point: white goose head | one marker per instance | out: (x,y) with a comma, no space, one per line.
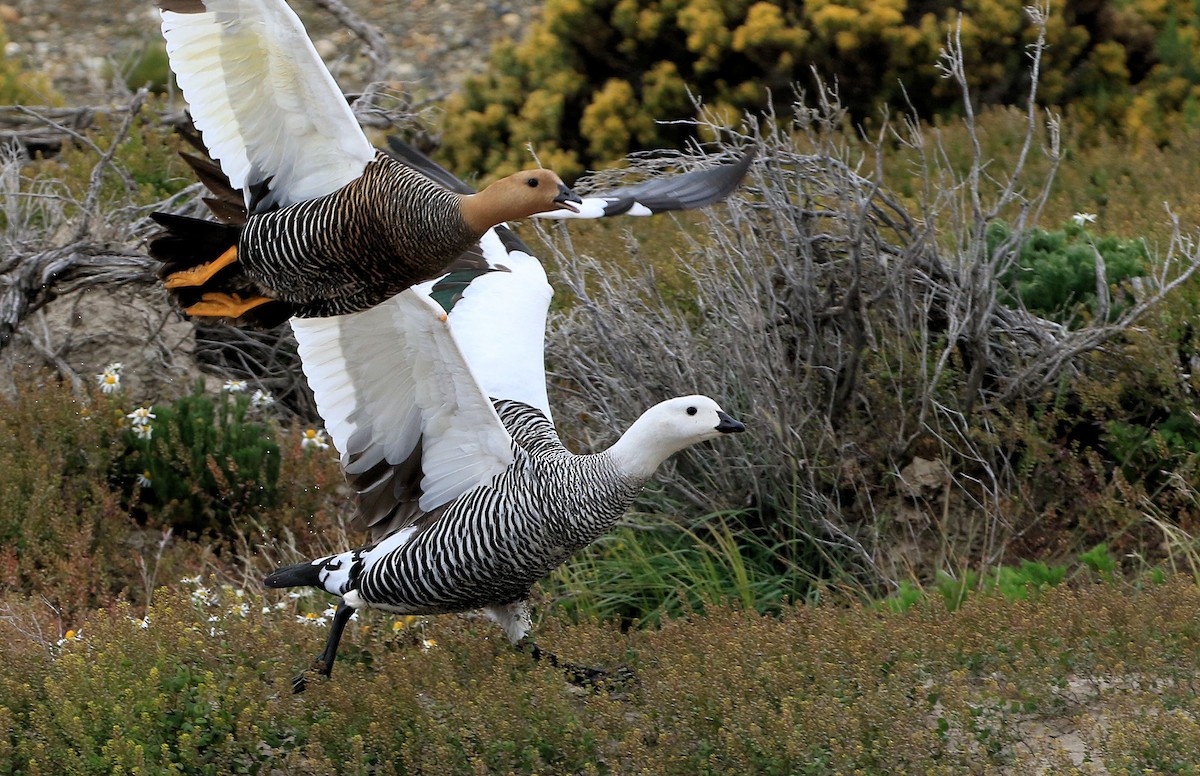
(665,429)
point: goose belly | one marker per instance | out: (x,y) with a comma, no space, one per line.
(489,549)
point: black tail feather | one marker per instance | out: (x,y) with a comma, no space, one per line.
(188,242)
(305,574)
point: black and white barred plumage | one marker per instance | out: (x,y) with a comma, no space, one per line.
(489,546)
(358,246)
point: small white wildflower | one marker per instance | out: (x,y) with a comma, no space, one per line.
(1084,218)
(312,618)
(108,381)
(234,386)
(314,438)
(145,431)
(213,618)
(115,366)
(281,606)
(428,644)
(202,595)
(242,609)
(190,580)
(142,416)
(144,623)
(329,612)
(144,481)
(261,398)
(302,593)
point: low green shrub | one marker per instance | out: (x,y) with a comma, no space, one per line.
(203,686)
(200,463)
(1054,272)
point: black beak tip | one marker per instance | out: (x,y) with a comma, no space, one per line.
(728,425)
(567,198)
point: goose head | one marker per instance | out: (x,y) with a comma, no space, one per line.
(520,195)
(668,427)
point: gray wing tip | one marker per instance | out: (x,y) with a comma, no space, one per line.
(687,191)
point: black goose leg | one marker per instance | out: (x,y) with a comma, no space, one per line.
(324,663)
(583,676)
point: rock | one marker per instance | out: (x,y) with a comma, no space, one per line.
(923,478)
(8,14)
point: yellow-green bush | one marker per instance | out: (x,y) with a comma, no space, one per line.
(592,76)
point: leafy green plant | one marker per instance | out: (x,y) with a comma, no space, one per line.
(200,463)
(1054,273)
(1101,562)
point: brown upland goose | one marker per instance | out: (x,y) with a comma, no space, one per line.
(327,224)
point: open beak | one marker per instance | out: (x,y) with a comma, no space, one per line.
(728,425)
(567,198)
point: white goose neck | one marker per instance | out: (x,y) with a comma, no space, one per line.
(642,449)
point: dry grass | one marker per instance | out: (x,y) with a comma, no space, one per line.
(1075,681)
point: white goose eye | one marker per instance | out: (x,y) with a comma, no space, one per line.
(691,410)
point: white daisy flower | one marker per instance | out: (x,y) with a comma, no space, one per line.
(144,481)
(142,416)
(314,438)
(71,635)
(312,618)
(234,386)
(144,431)
(261,398)
(108,381)
(1084,218)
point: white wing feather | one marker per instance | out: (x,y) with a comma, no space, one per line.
(500,325)
(263,99)
(392,375)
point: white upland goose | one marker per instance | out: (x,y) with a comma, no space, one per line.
(437,401)
(330,225)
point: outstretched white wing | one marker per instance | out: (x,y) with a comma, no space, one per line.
(266,105)
(390,382)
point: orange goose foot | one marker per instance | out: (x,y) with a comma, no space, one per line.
(201,273)
(214,305)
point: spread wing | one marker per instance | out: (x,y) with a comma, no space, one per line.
(402,406)
(267,107)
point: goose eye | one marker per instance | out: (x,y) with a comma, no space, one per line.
(532,183)
(691,410)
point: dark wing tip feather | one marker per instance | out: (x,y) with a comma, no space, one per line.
(182,6)
(694,189)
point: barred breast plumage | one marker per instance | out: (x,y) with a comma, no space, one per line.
(327,225)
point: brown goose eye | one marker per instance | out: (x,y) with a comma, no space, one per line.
(532,183)
(691,410)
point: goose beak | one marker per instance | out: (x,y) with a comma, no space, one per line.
(728,425)
(567,198)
